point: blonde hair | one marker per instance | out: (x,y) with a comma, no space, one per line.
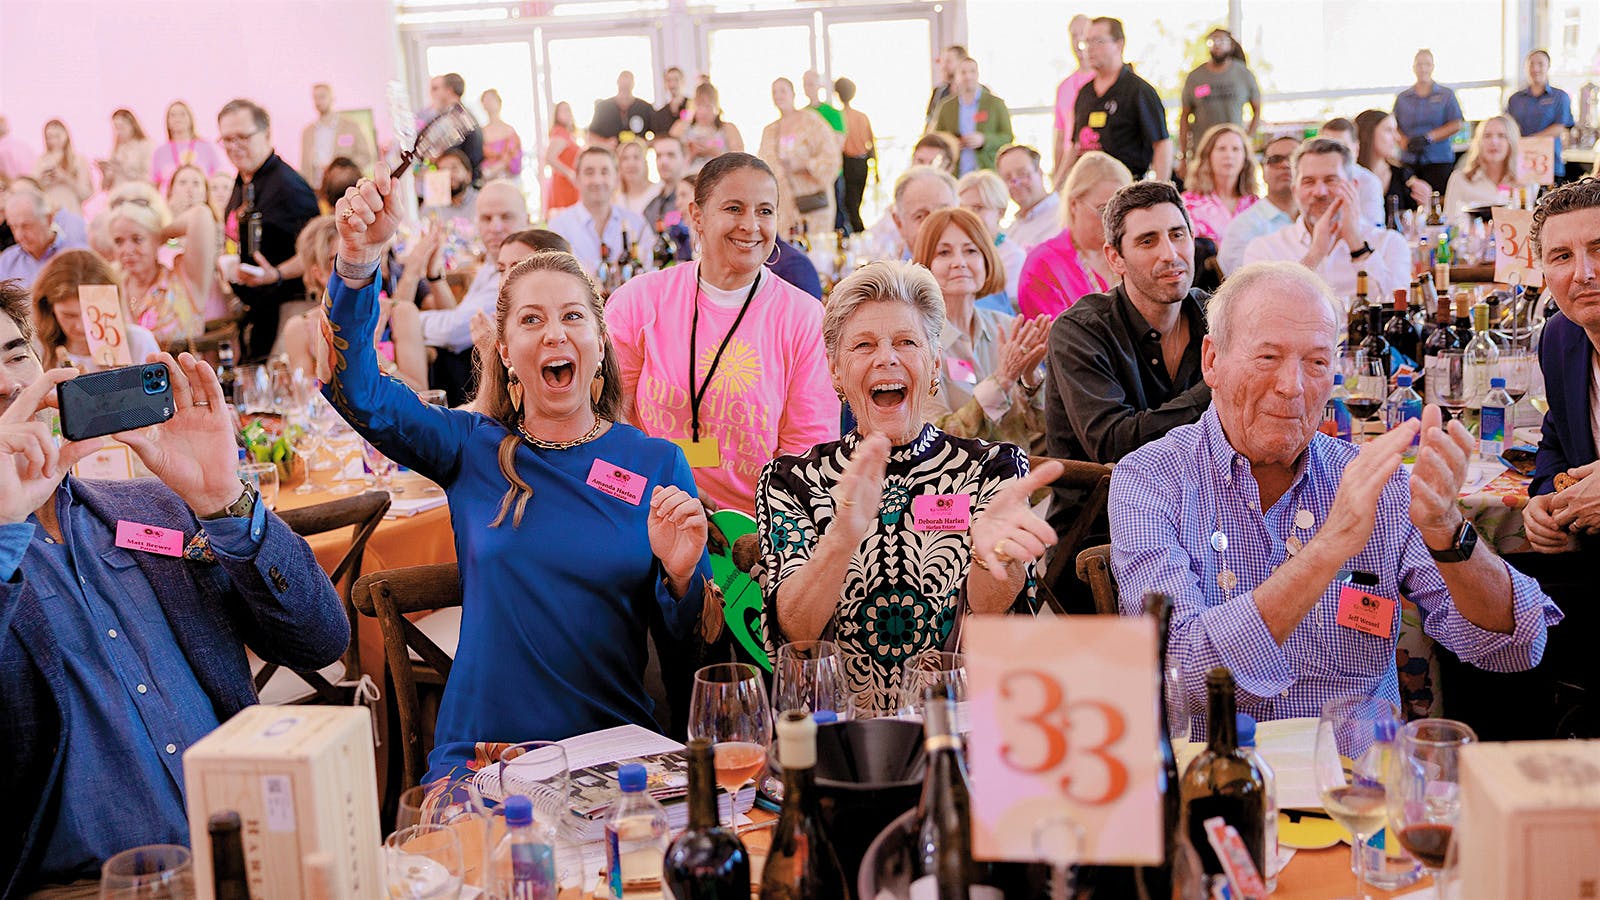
(1091,169)
(1204,181)
(991,188)
(494,396)
(140,203)
(1472,165)
(315,245)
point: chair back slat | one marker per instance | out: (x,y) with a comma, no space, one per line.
(1094,567)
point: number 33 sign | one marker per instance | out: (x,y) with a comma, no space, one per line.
(1063,715)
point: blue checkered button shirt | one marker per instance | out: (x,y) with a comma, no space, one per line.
(1168,499)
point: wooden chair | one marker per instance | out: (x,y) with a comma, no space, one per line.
(364,513)
(1093,482)
(1094,569)
(390,596)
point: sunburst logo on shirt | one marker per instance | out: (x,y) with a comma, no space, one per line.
(738,369)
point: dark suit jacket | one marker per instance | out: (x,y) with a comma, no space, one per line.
(1567,441)
(280,604)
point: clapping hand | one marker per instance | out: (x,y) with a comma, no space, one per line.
(1008,531)
(859,492)
(1351,228)
(1325,233)
(1355,505)
(677,529)
(1577,509)
(1436,479)
(31,465)
(367,217)
(425,257)
(1022,350)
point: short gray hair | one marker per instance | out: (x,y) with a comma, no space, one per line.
(884,281)
(917,173)
(1322,145)
(1277,278)
(990,187)
(41,204)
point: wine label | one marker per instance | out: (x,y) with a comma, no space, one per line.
(1365,612)
(149,538)
(615,481)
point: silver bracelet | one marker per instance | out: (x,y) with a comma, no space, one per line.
(350,272)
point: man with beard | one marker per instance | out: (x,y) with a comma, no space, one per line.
(1124,366)
(1216,92)
(1331,237)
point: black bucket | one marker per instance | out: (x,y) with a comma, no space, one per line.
(868,773)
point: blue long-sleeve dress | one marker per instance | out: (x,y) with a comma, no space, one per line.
(555,611)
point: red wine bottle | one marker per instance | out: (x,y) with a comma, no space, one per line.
(1224,781)
(228,877)
(802,864)
(706,861)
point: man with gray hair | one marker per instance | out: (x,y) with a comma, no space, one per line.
(917,192)
(1332,238)
(1286,551)
(38,237)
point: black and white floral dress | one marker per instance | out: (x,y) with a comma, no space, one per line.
(905,588)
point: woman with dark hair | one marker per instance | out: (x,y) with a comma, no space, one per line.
(703,132)
(801,148)
(572,529)
(184,148)
(722,356)
(131,153)
(1378,151)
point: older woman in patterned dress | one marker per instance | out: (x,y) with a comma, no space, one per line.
(883,540)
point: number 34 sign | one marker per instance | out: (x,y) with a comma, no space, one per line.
(1063,717)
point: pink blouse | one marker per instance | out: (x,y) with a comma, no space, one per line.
(1054,276)
(1210,217)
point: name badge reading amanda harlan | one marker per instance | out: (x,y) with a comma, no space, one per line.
(615,481)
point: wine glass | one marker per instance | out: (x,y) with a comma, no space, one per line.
(1447,381)
(539,771)
(1425,789)
(423,862)
(265,478)
(1368,390)
(382,468)
(809,676)
(155,872)
(458,805)
(307,436)
(1351,762)
(1517,366)
(729,708)
(930,668)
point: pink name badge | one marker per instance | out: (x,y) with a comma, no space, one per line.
(961,370)
(1202,90)
(149,538)
(1365,612)
(941,512)
(617,481)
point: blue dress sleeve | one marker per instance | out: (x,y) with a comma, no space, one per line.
(682,614)
(382,409)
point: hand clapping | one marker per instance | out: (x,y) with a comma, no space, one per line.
(1023,349)
(677,529)
(1008,531)
(859,493)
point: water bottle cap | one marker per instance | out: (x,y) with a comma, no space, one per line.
(1384,730)
(1403,380)
(825,717)
(519,811)
(1247,729)
(632,778)
(1338,378)
(1497,382)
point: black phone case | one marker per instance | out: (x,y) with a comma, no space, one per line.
(107,402)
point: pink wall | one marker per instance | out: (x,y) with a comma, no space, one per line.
(78,60)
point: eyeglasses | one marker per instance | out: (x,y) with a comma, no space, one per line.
(1086,43)
(1276,159)
(237,140)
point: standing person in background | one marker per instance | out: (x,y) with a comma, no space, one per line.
(183,148)
(979,119)
(804,154)
(1542,110)
(1428,116)
(16,157)
(131,152)
(1222,181)
(61,170)
(286,203)
(502,146)
(1378,151)
(1066,98)
(1216,93)
(669,166)
(859,150)
(619,116)
(1118,111)
(946,87)
(446,91)
(561,155)
(669,112)
(703,132)
(813,84)
(1038,210)
(329,137)
(1368,188)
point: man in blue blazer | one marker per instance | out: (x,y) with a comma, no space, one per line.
(125,608)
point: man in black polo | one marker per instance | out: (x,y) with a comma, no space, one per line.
(271,187)
(668,113)
(1124,366)
(444,92)
(623,113)
(1117,111)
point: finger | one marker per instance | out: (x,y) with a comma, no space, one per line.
(74,452)
(371,201)
(27,446)
(182,394)
(261,260)
(1036,479)
(1023,545)
(1432,417)
(1040,529)
(30,399)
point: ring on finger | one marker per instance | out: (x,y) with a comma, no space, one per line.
(1000,553)
(847,503)
(202,403)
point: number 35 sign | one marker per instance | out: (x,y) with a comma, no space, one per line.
(1063,717)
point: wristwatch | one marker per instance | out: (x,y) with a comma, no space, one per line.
(1366,248)
(1461,550)
(240,508)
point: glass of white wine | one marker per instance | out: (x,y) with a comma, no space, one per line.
(1355,740)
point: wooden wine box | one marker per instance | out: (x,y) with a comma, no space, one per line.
(1530,820)
(301,779)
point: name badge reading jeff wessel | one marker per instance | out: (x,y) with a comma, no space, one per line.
(941,512)
(1365,612)
(615,481)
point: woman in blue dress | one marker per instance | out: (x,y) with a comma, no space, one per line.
(569,525)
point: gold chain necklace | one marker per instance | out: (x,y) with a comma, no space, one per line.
(561,445)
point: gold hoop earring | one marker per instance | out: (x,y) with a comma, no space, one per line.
(514,388)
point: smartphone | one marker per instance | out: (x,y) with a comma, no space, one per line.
(103,403)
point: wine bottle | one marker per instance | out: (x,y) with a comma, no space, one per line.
(1400,333)
(1222,780)
(1357,331)
(1374,344)
(801,864)
(706,861)
(944,867)
(1159,880)
(228,878)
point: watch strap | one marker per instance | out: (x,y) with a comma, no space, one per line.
(1366,249)
(239,508)
(1461,550)
(353,271)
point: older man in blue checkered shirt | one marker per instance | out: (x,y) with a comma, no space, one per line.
(1287,551)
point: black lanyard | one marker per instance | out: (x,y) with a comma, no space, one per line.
(694,327)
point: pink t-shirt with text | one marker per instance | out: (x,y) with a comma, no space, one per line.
(771,392)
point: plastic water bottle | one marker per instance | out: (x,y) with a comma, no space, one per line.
(636,834)
(1247,744)
(523,866)
(1492,420)
(1336,415)
(1404,403)
(1389,867)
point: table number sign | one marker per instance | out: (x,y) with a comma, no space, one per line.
(105,325)
(1513,251)
(1536,160)
(1063,718)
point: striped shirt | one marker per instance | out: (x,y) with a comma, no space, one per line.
(1171,497)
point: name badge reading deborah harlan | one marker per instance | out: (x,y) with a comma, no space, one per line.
(149,538)
(1365,612)
(616,481)
(941,512)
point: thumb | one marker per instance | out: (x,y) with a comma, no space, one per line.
(1040,477)
(262,260)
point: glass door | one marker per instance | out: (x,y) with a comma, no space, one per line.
(505,66)
(888,59)
(744,61)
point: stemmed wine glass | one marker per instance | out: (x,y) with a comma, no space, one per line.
(809,676)
(154,872)
(930,668)
(423,862)
(729,708)
(307,436)
(1425,789)
(1354,742)
(1368,390)
(1447,382)
(458,805)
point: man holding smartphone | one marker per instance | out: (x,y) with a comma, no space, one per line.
(125,608)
